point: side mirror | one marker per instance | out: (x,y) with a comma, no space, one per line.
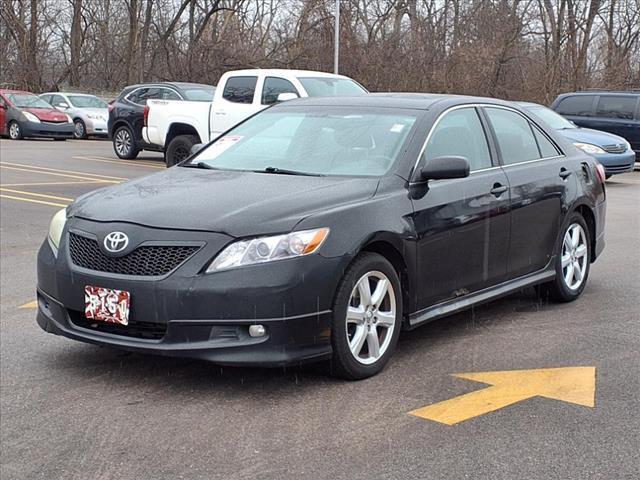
(283,97)
(448,166)
(196,148)
(64,105)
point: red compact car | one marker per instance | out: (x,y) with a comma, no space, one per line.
(23,114)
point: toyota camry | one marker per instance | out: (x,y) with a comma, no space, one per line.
(319,229)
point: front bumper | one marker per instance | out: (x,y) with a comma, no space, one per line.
(207,316)
(47,130)
(615,163)
(96,127)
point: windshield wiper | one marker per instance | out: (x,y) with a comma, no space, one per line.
(200,165)
(284,171)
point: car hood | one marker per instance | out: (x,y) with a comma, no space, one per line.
(47,114)
(236,203)
(594,137)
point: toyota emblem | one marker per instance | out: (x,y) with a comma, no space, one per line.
(116,242)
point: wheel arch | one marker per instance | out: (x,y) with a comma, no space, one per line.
(176,129)
(590,219)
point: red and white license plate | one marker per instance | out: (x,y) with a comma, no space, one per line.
(107,305)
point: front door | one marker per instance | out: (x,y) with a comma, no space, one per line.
(238,102)
(3,116)
(462,224)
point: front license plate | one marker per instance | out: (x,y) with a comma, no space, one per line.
(107,305)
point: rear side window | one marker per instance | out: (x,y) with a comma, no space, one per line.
(138,96)
(460,133)
(168,94)
(578,105)
(515,136)
(240,89)
(616,107)
(547,149)
(274,86)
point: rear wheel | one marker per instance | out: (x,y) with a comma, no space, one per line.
(15,132)
(179,149)
(572,262)
(367,317)
(124,144)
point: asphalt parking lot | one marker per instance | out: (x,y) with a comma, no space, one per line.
(70,410)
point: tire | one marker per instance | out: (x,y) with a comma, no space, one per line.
(124,143)
(15,132)
(354,318)
(607,176)
(560,288)
(179,149)
(80,129)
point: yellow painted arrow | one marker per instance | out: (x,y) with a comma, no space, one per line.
(571,384)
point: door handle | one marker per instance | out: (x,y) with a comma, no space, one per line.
(498,189)
(564,173)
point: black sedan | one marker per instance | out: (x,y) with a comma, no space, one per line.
(320,228)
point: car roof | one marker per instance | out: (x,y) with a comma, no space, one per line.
(15,91)
(419,101)
(530,104)
(602,92)
(69,93)
(286,72)
(171,84)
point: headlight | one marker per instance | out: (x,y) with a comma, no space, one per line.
(69,119)
(267,249)
(587,147)
(31,117)
(56,227)
(628,145)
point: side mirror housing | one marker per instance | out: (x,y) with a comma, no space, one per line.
(448,166)
(64,105)
(283,97)
(196,148)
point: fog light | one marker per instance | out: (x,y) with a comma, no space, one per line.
(257,331)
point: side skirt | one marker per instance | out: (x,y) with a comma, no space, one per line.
(482,296)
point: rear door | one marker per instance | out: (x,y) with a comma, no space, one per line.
(238,101)
(578,108)
(540,179)
(616,114)
(462,224)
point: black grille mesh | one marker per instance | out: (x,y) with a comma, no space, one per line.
(145,260)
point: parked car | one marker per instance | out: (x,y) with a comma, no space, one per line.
(89,113)
(319,228)
(613,112)
(24,114)
(239,95)
(612,151)
(126,112)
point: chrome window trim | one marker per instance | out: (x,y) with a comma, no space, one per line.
(482,105)
(147,87)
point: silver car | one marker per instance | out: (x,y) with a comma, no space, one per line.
(89,113)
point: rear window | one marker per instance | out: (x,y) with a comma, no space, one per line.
(240,89)
(199,94)
(578,105)
(616,107)
(330,86)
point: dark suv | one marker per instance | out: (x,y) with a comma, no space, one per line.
(126,113)
(613,112)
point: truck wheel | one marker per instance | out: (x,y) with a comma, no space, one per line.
(124,144)
(179,149)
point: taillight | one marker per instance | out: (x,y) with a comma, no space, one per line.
(602,176)
(146,114)
(111,106)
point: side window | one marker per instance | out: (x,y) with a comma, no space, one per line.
(168,94)
(514,134)
(137,95)
(240,89)
(578,105)
(460,133)
(2,102)
(46,98)
(151,93)
(547,149)
(274,86)
(616,107)
(56,100)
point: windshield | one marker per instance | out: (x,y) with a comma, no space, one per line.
(555,121)
(317,141)
(86,101)
(199,94)
(27,100)
(330,87)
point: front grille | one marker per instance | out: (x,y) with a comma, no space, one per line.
(144,330)
(621,148)
(145,261)
(54,122)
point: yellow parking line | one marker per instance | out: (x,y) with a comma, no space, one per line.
(120,162)
(37,167)
(34,201)
(29,305)
(42,172)
(32,194)
(39,184)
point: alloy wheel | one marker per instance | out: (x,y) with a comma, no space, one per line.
(371,317)
(14,131)
(79,130)
(123,142)
(574,256)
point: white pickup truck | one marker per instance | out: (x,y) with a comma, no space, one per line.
(176,126)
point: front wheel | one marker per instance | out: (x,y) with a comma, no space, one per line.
(15,132)
(179,149)
(79,129)
(124,144)
(367,317)
(572,262)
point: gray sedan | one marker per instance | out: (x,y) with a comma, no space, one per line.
(89,113)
